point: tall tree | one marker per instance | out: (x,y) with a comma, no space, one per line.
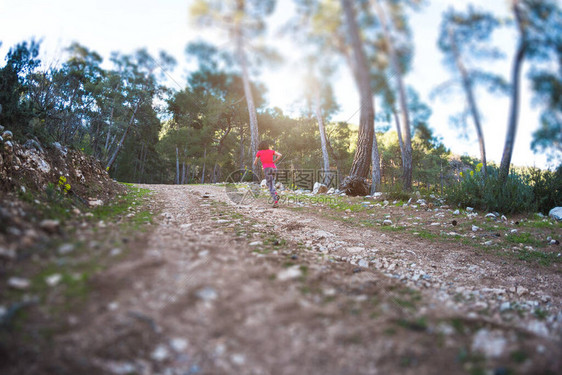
(462,36)
(404,133)
(538,25)
(243,20)
(366,142)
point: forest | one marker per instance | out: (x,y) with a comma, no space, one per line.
(145,130)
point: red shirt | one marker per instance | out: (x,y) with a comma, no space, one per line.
(266,157)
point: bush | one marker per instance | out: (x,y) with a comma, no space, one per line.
(547,188)
(513,196)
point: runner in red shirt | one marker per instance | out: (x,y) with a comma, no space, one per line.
(268,161)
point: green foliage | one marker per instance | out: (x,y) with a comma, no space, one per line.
(547,188)
(515,195)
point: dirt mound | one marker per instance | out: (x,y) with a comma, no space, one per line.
(32,189)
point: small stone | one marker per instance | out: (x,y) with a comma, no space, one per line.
(554,242)
(178,344)
(207,294)
(160,353)
(50,226)
(469,209)
(488,243)
(112,306)
(387,222)
(505,306)
(538,328)
(7,253)
(66,249)
(255,243)
(456,212)
(54,279)
(521,290)
(491,344)
(7,135)
(363,263)
(355,249)
(290,273)
(115,252)
(475,228)
(513,231)
(238,359)
(19,283)
(490,215)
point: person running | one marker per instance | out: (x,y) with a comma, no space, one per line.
(268,164)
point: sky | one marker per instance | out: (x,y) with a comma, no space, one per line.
(118,25)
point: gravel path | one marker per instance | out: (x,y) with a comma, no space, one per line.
(226,289)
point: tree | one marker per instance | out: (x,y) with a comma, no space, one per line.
(242,19)
(366,143)
(404,134)
(537,23)
(462,36)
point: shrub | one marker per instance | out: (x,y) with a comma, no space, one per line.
(547,188)
(515,195)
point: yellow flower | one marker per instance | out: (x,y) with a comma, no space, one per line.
(479,167)
(67,187)
(461,174)
(472,173)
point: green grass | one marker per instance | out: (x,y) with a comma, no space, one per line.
(525,238)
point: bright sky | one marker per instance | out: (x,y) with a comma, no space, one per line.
(106,26)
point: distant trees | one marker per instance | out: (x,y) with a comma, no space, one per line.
(465,37)
(539,40)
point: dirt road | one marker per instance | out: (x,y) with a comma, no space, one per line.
(218,288)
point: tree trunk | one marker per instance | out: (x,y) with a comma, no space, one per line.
(247,90)
(407,146)
(204,165)
(177,167)
(366,143)
(399,133)
(321,128)
(241,146)
(120,144)
(467,85)
(514,110)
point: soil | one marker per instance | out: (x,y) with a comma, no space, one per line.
(219,288)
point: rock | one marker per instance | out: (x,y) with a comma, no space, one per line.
(95,202)
(387,222)
(556,213)
(319,188)
(7,135)
(488,243)
(290,273)
(331,191)
(207,294)
(279,186)
(554,242)
(8,146)
(263,183)
(19,283)
(160,353)
(114,252)
(54,279)
(539,328)
(491,344)
(505,306)
(50,226)
(238,359)
(504,218)
(255,243)
(178,344)
(32,144)
(62,150)
(456,212)
(363,263)
(490,215)
(66,249)
(475,228)
(7,253)
(355,249)
(521,290)
(469,209)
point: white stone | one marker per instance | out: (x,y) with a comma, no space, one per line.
(19,283)
(207,294)
(387,222)
(355,249)
(456,212)
(521,290)
(469,209)
(290,273)
(160,353)
(538,328)
(255,243)
(66,249)
(556,213)
(263,183)
(178,344)
(363,263)
(54,279)
(7,253)
(239,359)
(475,228)
(491,344)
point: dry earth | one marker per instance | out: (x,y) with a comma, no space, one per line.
(218,288)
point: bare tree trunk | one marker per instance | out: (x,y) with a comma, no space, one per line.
(254,135)
(204,165)
(177,167)
(183,173)
(241,146)
(514,110)
(407,147)
(467,85)
(321,128)
(366,143)
(120,144)
(399,132)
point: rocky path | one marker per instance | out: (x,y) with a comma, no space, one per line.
(226,289)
